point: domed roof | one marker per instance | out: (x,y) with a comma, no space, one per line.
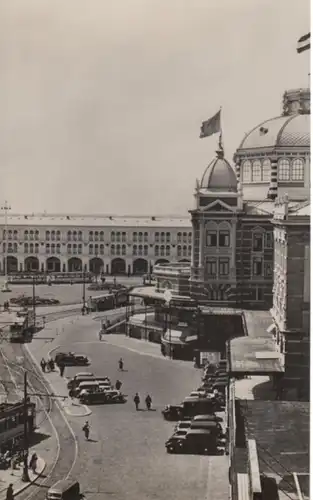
(282,131)
(219,175)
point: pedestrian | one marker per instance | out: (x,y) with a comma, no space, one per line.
(137,401)
(148,401)
(62,369)
(33,462)
(118,385)
(10,492)
(43,365)
(121,364)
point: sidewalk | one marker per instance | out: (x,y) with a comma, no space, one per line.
(254,387)
(15,477)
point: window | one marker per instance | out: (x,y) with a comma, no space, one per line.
(162,251)
(269,239)
(53,235)
(96,236)
(113,236)
(9,234)
(178,237)
(15,247)
(52,247)
(185,237)
(223,267)
(75,248)
(135,237)
(91,236)
(297,170)
(283,170)
(80,248)
(15,235)
(123,237)
(36,235)
(102,235)
(118,236)
(168,250)
(257,242)
(145,237)
(211,238)
(179,249)
(36,247)
(25,235)
(75,235)
(246,171)
(256,171)
(118,249)
(96,249)
(47,247)
(257,294)
(123,249)
(10,248)
(145,250)
(189,250)
(58,235)
(135,250)
(185,251)
(90,249)
(156,250)
(31,247)
(190,238)
(223,238)
(58,248)
(69,235)
(168,237)
(257,266)
(101,249)
(211,268)
(69,248)
(268,269)
(140,237)
(162,237)
(80,236)
(25,247)
(266,170)
(31,234)
(157,237)
(112,249)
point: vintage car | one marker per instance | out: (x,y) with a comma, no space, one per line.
(214,427)
(197,442)
(182,424)
(71,359)
(101,397)
(88,386)
(80,377)
(207,418)
(173,412)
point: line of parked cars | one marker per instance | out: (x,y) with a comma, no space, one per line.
(199,429)
(91,389)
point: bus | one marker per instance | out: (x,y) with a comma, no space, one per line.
(118,298)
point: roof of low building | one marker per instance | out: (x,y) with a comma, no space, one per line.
(101,221)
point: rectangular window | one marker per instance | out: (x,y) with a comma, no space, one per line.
(269,239)
(268,269)
(257,294)
(157,237)
(211,268)
(211,238)
(257,243)
(257,266)
(224,267)
(223,239)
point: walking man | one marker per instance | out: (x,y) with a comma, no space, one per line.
(10,492)
(137,401)
(62,369)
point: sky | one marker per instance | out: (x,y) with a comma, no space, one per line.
(101,102)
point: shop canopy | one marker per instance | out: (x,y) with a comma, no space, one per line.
(254,356)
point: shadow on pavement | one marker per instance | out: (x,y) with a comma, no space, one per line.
(92,440)
(264,391)
(38,437)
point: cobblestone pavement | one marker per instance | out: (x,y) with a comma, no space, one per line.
(126,456)
(54,441)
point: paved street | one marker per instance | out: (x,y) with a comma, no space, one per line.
(126,458)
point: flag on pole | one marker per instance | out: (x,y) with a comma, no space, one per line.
(304,43)
(211,126)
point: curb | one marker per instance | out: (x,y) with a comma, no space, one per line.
(34,478)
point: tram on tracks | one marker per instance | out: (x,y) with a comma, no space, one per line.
(12,418)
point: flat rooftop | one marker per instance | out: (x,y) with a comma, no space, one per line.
(111,221)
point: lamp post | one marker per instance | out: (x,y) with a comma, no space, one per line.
(25,476)
(84,293)
(5,209)
(34,302)
(168,298)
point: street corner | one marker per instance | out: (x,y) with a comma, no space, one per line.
(14,477)
(75,410)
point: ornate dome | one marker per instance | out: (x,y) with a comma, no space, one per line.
(219,175)
(292,129)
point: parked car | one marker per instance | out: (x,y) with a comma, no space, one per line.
(209,418)
(196,441)
(214,427)
(182,424)
(90,386)
(80,377)
(173,412)
(101,397)
(198,394)
(71,359)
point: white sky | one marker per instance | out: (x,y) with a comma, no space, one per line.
(101,101)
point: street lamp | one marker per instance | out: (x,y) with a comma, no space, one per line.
(5,208)
(84,293)
(34,302)
(168,298)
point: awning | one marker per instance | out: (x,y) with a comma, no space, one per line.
(271,328)
(178,337)
(254,356)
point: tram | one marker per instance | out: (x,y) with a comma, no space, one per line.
(108,301)
(12,418)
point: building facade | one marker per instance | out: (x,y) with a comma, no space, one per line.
(291,291)
(113,245)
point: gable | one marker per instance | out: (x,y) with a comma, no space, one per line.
(220,206)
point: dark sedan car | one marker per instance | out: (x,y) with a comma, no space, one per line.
(71,359)
(197,442)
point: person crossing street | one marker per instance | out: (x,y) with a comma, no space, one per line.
(137,401)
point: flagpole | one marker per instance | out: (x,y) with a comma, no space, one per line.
(221,132)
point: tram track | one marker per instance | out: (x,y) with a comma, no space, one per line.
(66,452)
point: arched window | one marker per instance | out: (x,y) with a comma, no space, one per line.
(58,235)
(101,235)
(118,249)
(224,235)
(145,237)
(246,171)
(118,236)
(36,235)
(90,249)
(184,251)
(101,249)
(31,247)
(47,247)
(185,237)
(58,248)
(145,250)
(91,236)
(15,247)
(69,248)
(75,235)
(189,250)
(162,237)
(211,234)
(52,247)
(156,250)
(69,235)
(189,237)
(123,249)
(123,237)
(157,237)
(168,250)
(256,171)
(162,250)
(140,250)
(112,249)
(283,169)
(80,248)
(48,235)
(31,234)
(178,237)
(9,234)
(80,235)
(135,237)
(113,236)
(25,247)
(266,170)
(53,235)
(96,236)
(96,249)
(36,247)
(297,170)
(26,235)
(168,237)
(135,250)
(15,235)
(140,237)
(179,251)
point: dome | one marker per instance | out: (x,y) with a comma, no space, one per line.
(219,175)
(282,131)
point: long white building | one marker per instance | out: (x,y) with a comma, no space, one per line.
(112,244)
